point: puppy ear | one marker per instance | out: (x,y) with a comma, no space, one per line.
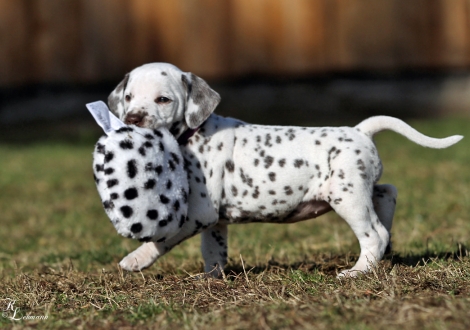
(116,98)
(201,100)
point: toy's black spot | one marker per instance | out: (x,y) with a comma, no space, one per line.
(131,193)
(152,214)
(169,184)
(114,196)
(100,148)
(149,184)
(99,168)
(149,136)
(127,211)
(159,169)
(145,239)
(160,145)
(112,183)
(147,144)
(126,144)
(142,151)
(164,199)
(124,129)
(132,168)
(162,223)
(163,239)
(158,133)
(171,165)
(108,157)
(108,204)
(175,157)
(176,206)
(109,171)
(182,221)
(136,228)
(282,162)
(149,167)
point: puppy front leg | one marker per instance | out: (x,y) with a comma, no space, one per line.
(143,257)
(214,249)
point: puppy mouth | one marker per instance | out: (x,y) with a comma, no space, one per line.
(141,119)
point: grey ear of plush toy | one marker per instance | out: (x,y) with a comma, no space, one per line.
(140,177)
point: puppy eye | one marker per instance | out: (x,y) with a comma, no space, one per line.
(162,99)
(128,97)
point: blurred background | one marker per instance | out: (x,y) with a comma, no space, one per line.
(303,62)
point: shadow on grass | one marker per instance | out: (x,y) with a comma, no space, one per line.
(333,264)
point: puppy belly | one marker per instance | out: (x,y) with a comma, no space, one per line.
(281,214)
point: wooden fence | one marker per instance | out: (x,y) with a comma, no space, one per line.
(95,40)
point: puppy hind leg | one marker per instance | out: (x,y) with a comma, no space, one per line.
(214,249)
(385,199)
(372,235)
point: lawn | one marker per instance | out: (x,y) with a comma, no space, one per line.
(59,253)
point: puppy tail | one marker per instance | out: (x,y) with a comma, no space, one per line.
(373,125)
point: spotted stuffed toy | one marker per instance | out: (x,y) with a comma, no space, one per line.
(140,177)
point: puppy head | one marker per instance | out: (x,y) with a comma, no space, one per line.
(159,94)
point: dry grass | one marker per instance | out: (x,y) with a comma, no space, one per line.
(59,254)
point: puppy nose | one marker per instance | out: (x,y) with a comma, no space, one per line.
(134,119)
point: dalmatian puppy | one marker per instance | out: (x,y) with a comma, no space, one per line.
(241,173)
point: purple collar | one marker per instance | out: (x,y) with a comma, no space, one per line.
(184,138)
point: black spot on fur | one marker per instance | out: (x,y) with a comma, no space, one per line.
(272,176)
(229,165)
(234,191)
(149,136)
(158,133)
(142,151)
(282,162)
(298,163)
(159,169)
(171,165)
(288,190)
(114,196)
(131,193)
(268,161)
(109,171)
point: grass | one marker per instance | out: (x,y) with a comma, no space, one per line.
(59,253)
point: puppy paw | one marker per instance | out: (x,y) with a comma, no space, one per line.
(140,259)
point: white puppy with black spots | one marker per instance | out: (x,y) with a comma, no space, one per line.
(241,173)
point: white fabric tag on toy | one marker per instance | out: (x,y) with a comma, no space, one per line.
(106,119)
(140,177)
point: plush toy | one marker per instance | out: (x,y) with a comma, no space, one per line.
(140,177)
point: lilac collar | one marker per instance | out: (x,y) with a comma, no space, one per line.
(184,138)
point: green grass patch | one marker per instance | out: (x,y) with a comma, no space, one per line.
(59,253)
